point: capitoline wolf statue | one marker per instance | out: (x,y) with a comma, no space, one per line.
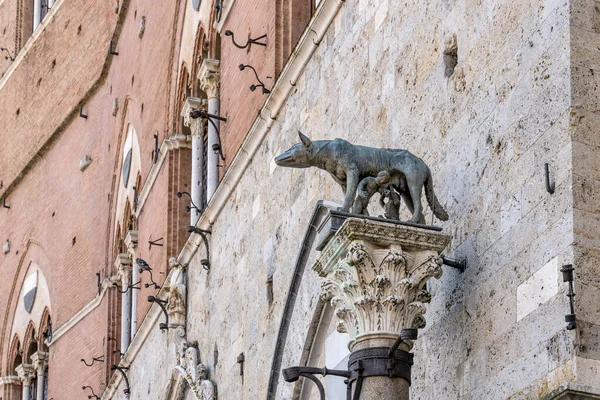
(393,172)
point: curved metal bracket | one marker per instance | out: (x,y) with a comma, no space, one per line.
(205,262)
(128,287)
(161,303)
(93,395)
(122,370)
(292,374)
(249,42)
(94,360)
(261,83)
(193,207)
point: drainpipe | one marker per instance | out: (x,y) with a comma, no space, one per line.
(197,128)
(209,76)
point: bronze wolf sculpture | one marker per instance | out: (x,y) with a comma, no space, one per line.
(348,164)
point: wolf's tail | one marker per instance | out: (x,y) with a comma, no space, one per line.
(434,203)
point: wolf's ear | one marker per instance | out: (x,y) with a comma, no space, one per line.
(304,139)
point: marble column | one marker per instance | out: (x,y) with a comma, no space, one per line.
(375,276)
(26,374)
(123,266)
(37,13)
(196,126)
(209,76)
(131,241)
(39,361)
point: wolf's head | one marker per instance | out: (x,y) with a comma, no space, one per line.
(298,156)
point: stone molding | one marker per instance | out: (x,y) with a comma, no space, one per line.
(375,275)
(124,268)
(209,76)
(26,373)
(10,380)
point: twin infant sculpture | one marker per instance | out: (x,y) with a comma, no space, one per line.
(362,171)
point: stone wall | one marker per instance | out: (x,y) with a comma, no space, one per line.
(482,91)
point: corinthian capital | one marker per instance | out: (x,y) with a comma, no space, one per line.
(209,77)
(191,104)
(26,373)
(375,274)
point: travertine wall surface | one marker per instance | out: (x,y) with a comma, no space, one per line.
(383,77)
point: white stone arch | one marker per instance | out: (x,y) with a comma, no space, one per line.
(126,191)
(34,277)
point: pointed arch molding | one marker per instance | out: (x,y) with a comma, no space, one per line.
(36,257)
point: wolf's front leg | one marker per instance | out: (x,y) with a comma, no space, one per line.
(351,185)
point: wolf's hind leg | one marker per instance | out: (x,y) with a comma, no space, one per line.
(415,188)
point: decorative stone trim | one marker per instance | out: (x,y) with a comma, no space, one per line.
(39,361)
(131,240)
(26,373)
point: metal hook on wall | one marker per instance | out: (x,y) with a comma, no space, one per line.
(93,395)
(122,370)
(550,187)
(161,303)
(94,360)
(143,266)
(133,286)
(202,232)
(249,42)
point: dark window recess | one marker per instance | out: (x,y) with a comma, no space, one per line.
(204,177)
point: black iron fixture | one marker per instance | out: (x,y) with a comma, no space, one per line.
(216,148)
(117,345)
(99,283)
(8,55)
(143,267)
(375,361)
(111,50)
(158,242)
(219,8)
(132,287)
(294,373)
(202,232)
(122,370)
(4,205)
(94,360)
(156,149)
(48,333)
(249,42)
(188,208)
(93,395)
(161,303)
(136,199)
(550,187)
(240,360)
(567,271)
(81,114)
(260,83)
(459,265)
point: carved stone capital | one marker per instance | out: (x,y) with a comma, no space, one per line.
(190,104)
(178,141)
(209,77)
(375,274)
(39,361)
(26,373)
(131,240)
(123,266)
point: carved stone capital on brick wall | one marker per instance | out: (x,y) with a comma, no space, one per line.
(26,373)
(123,265)
(39,360)
(375,275)
(190,104)
(177,294)
(131,240)
(209,77)
(178,141)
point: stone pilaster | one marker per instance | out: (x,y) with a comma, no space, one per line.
(375,274)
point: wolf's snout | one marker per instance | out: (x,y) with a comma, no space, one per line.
(282,158)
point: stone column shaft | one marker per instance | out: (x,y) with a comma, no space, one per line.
(37,13)
(209,76)
(40,361)
(131,241)
(123,264)
(197,128)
